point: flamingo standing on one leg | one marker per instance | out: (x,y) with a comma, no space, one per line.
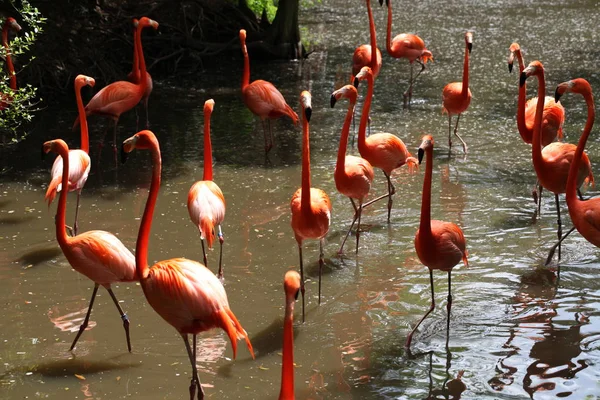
(9,23)
(383,150)
(552,120)
(311,208)
(552,163)
(353,175)
(363,56)
(99,255)
(206,204)
(262,98)
(134,75)
(291,285)
(456,96)
(439,244)
(183,292)
(122,96)
(79,159)
(585,214)
(409,46)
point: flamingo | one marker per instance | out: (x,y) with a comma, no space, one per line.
(584,214)
(99,255)
(363,57)
(552,163)
(353,175)
(383,150)
(291,285)
(553,117)
(439,244)
(409,46)
(311,208)
(206,204)
(262,98)
(456,96)
(9,23)
(122,96)
(79,159)
(134,75)
(183,292)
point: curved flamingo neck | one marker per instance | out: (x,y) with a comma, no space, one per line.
(246,74)
(305,200)
(388,39)
(341,157)
(9,64)
(536,144)
(373,38)
(83,126)
(465,78)
(526,134)
(364,118)
(61,209)
(208,170)
(135,71)
(425,224)
(287,367)
(571,194)
(141,248)
(142,84)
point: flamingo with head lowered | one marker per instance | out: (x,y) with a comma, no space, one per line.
(9,24)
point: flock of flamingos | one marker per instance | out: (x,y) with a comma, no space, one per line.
(192,298)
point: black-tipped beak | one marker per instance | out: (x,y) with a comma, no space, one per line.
(308,113)
(124,154)
(470,47)
(356,82)
(557,95)
(297,293)
(510,67)
(522,78)
(420,154)
(333,100)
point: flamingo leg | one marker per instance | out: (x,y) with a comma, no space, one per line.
(458,136)
(536,193)
(270,134)
(137,118)
(558,221)
(341,250)
(553,248)
(87,317)
(75,225)
(221,240)
(146,108)
(195,382)
(409,338)
(321,262)
(204,253)
(449,305)
(408,94)
(114,145)
(419,73)
(124,317)
(302,289)
(391,191)
(450,131)
(358,226)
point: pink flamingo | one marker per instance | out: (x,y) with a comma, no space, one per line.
(99,255)
(456,96)
(311,208)
(291,285)
(383,150)
(134,75)
(440,245)
(183,292)
(262,98)
(552,163)
(409,46)
(363,57)
(353,175)
(206,204)
(79,159)
(9,23)
(122,96)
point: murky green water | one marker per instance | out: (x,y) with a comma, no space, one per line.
(517,330)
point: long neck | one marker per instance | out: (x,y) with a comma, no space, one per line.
(388,38)
(341,157)
(135,71)
(9,64)
(61,210)
(465,78)
(536,143)
(525,133)
(142,77)
(364,118)
(208,170)
(85,140)
(571,194)
(425,226)
(305,201)
(373,37)
(141,248)
(246,74)
(287,367)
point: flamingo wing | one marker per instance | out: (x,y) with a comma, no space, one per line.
(264,100)
(206,206)
(114,99)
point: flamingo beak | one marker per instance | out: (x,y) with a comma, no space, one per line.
(470,47)
(510,67)
(333,100)
(420,154)
(308,113)
(356,82)
(522,78)
(297,293)
(557,95)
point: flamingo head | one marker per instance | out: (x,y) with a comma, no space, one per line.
(514,48)
(348,92)
(208,106)
(56,146)
(426,144)
(534,68)
(578,85)
(243,35)
(142,140)
(364,73)
(145,22)
(83,80)
(291,285)
(305,102)
(12,23)
(469,41)
(135,22)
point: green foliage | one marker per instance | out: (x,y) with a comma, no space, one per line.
(19,105)
(259,5)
